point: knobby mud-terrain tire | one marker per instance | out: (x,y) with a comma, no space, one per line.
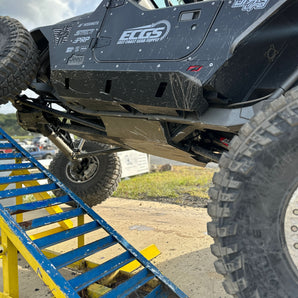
(254,207)
(18,58)
(104,176)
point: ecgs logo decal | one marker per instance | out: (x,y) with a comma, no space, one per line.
(249,5)
(150,33)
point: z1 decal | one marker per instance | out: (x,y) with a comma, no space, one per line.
(61,35)
(150,33)
(249,5)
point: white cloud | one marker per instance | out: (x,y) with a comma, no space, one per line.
(36,13)
(82,6)
(7,109)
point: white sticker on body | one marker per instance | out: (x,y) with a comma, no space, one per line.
(249,5)
(150,33)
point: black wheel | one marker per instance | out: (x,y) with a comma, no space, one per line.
(93,179)
(18,59)
(254,206)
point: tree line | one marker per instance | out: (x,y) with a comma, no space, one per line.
(9,123)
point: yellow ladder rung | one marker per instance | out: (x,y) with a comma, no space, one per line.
(46,233)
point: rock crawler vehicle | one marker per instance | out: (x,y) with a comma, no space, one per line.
(198,82)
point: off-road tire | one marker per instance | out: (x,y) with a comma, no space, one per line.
(252,190)
(101,186)
(18,59)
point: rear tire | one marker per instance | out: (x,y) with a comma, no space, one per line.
(254,207)
(95,181)
(18,59)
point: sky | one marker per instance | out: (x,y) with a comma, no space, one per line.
(36,13)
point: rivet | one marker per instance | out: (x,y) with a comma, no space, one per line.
(193,27)
(211,64)
(158,65)
(117,66)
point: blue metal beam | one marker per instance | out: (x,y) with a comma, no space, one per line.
(66,235)
(131,285)
(6,146)
(26,190)
(50,219)
(158,292)
(84,280)
(21,178)
(17,166)
(10,155)
(83,252)
(16,209)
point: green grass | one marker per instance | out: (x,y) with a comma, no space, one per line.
(181,181)
(23,137)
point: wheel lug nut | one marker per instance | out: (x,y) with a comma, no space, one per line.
(294,228)
(295,211)
(296,245)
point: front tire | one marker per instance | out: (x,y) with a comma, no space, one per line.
(254,206)
(18,59)
(94,179)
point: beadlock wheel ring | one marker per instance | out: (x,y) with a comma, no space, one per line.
(291,228)
(89,169)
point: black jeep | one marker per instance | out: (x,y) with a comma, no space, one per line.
(198,82)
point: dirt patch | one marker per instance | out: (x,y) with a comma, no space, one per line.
(183,201)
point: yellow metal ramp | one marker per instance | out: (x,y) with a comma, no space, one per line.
(20,232)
